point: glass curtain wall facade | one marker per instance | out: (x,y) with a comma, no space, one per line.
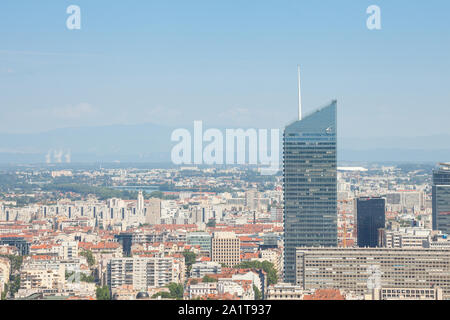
(441,198)
(370,216)
(310,184)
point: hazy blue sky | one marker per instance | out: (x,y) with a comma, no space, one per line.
(228,63)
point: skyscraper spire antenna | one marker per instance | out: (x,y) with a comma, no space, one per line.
(299,95)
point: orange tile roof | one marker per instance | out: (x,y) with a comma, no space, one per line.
(325,294)
(202,259)
(42,257)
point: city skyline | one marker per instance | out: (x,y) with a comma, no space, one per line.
(309,183)
(245,152)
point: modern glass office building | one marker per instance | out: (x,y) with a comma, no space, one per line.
(202,239)
(310,179)
(370,217)
(441,198)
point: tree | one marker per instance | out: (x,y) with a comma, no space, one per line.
(89,257)
(102,293)
(164,295)
(162,196)
(69,274)
(84,278)
(211,223)
(176,290)
(258,295)
(14,278)
(14,284)
(156,194)
(272,277)
(207,278)
(189,258)
(16,261)
(4,292)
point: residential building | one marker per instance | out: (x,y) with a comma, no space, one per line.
(285,291)
(407,294)
(200,269)
(140,273)
(359,270)
(413,237)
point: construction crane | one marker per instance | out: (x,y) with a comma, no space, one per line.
(344,241)
(344,233)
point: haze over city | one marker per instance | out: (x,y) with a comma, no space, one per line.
(226,63)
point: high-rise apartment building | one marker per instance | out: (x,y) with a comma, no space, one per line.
(441,198)
(152,211)
(140,273)
(42,275)
(5,269)
(276,213)
(226,248)
(370,217)
(22,244)
(252,200)
(310,184)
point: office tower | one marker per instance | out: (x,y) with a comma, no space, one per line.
(22,244)
(202,239)
(361,270)
(226,248)
(126,240)
(412,200)
(270,241)
(252,201)
(310,186)
(441,198)
(370,216)
(201,214)
(153,211)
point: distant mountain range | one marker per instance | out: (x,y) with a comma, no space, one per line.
(151,143)
(136,143)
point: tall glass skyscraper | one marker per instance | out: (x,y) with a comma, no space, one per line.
(310,184)
(441,198)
